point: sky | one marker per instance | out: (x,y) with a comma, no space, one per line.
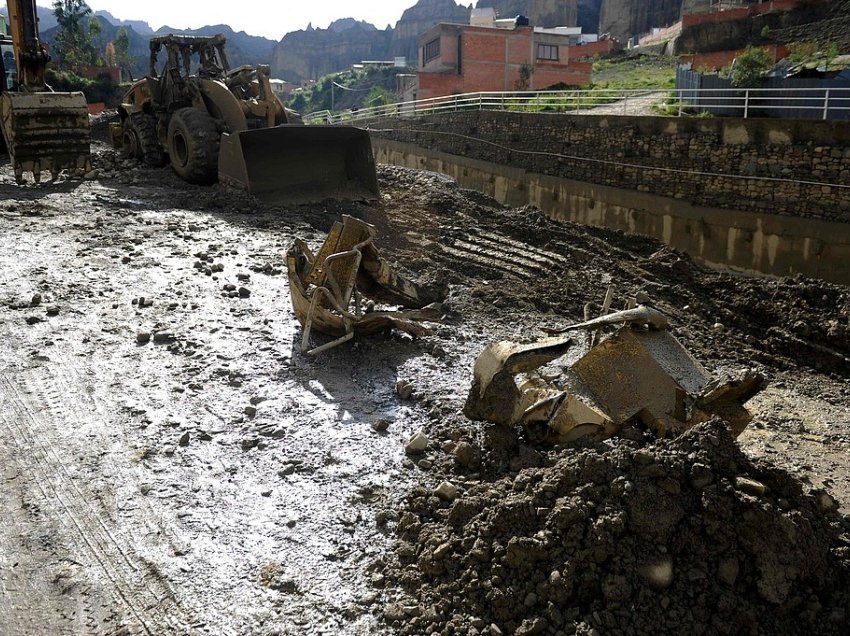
(257,17)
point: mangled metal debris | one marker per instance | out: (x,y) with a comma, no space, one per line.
(328,288)
(641,374)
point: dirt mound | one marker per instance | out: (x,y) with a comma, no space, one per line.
(677,536)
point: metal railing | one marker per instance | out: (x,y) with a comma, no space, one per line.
(805,103)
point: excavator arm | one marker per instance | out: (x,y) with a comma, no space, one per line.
(31,55)
(44,131)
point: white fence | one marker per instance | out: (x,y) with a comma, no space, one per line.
(814,103)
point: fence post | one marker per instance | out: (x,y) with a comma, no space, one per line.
(746,103)
(625,104)
(826,105)
(681,96)
(480,101)
(578,101)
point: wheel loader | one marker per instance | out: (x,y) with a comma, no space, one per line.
(43,131)
(213,122)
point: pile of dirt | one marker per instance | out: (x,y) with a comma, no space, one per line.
(677,536)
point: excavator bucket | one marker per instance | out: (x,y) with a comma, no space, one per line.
(294,164)
(46,132)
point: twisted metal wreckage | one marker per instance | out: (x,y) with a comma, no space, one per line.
(639,374)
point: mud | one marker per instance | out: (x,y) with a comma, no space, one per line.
(172,464)
(677,536)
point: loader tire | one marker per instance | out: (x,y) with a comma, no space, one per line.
(140,140)
(193,145)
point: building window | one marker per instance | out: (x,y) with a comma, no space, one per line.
(432,50)
(547,52)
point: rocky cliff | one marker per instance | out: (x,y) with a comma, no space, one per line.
(588,15)
(312,53)
(695,6)
(421,17)
(623,18)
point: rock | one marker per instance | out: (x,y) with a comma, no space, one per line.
(287,470)
(163,337)
(464,454)
(249,442)
(33,320)
(404,389)
(446,491)
(659,573)
(53,310)
(250,411)
(143,337)
(417,444)
(380,425)
(750,486)
(91,174)
(184,439)
(243,277)
(825,501)
(727,571)
(425,464)
(125,260)
(701,476)
(244,292)
(36,300)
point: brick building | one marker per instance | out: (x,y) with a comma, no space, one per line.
(460,58)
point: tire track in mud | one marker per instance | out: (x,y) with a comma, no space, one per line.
(33,411)
(501,253)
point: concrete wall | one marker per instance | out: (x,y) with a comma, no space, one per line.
(741,240)
(759,165)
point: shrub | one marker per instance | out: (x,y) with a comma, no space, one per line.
(749,67)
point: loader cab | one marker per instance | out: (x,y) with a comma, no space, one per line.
(8,68)
(186,59)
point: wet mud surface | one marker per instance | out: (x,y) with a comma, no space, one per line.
(171,462)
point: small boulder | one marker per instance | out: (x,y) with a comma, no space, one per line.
(417,444)
(446,491)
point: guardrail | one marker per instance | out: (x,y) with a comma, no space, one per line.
(805,103)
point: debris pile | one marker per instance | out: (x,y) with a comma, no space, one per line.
(677,536)
(324,286)
(642,373)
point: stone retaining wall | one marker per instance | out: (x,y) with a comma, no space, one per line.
(784,167)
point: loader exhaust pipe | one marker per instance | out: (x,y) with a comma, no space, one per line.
(294,164)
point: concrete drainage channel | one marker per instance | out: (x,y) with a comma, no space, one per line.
(177,465)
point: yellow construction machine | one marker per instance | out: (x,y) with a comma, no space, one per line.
(211,121)
(43,131)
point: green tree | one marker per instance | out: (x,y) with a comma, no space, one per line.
(524,81)
(122,51)
(73,44)
(91,50)
(750,67)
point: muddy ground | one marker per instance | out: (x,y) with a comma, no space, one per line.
(171,463)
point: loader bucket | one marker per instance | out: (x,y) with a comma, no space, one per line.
(300,164)
(46,132)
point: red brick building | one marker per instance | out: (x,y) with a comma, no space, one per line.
(459,58)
